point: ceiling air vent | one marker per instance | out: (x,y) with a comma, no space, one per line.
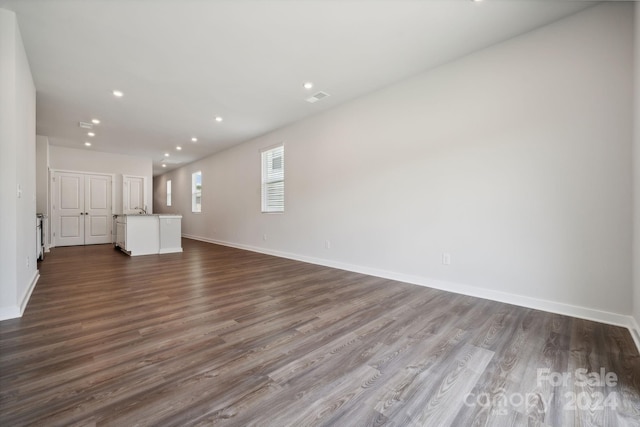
(85,125)
(317,97)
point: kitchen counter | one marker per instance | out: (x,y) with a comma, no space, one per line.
(164,215)
(147,234)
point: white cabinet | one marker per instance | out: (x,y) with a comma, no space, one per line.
(170,233)
(121,234)
(148,234)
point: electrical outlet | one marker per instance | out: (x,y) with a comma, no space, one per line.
(446,258)
(264,237)
(327,244)
(27,261)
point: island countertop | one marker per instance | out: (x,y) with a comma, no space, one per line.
(151,214)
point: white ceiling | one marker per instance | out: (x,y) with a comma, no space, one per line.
(180,63)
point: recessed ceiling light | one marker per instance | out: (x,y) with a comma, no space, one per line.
(95,121)
(308,85)
(218,119)
(88,144)
(91,134)
(194,139)
(166,154)
(164,166)
(178,148)
(118,93)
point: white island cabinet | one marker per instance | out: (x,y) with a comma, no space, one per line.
(148,234)
(170,233)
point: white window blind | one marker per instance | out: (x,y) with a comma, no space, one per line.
(196,192)
(273,179)
(169,193)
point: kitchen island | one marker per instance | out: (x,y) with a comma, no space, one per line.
(147,234)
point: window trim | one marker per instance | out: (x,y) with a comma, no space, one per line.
(263,179)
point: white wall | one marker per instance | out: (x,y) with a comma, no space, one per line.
(42,174)
(515,160)
(83,160)
(636,179)
(18,266)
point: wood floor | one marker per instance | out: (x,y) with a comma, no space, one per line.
(219,336)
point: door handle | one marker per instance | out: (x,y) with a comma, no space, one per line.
(86,213)
(81,213)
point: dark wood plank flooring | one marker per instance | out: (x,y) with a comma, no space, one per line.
(220,336)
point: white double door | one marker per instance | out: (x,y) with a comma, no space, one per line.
(81,208)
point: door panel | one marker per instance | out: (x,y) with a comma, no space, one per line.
(133,194)
(97,204)
(70,227)
(96,194)
(68,209)
(70,191)
(98,226)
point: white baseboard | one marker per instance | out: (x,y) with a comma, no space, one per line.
(27,293)
(11,312)
(458,288)
(634,329)
(16,311)
(169,250)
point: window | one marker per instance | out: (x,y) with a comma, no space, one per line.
(273,179)
(196,192)
(169,193)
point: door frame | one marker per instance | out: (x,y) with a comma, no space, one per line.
(52,173)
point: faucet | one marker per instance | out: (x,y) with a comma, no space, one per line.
(143,211)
